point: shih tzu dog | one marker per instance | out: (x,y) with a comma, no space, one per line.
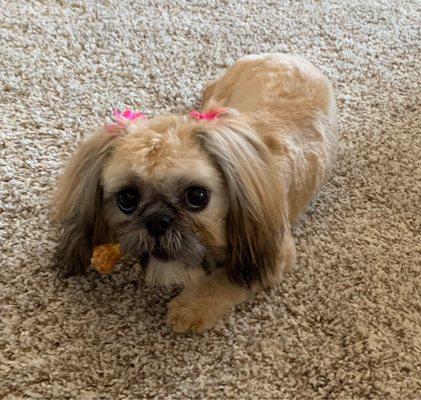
(206,199)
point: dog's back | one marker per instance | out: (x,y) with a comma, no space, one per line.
(290,104)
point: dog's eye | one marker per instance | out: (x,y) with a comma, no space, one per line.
(127,200)
(196,198)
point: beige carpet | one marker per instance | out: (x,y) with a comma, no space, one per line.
(344,325)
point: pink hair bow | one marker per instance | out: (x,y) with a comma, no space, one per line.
(205,116)
(128,115)
(123,119)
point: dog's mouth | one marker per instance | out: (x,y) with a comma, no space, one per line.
(158,254)
(162,250)
(161,255)
(185,249)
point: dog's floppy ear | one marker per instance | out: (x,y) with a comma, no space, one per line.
(78,204)
(256,216)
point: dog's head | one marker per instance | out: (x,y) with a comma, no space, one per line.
(180,194)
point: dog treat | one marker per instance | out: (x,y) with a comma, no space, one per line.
(105,257)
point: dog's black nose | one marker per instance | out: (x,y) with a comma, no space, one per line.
(157,224)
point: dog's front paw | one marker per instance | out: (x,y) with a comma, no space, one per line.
(187,312)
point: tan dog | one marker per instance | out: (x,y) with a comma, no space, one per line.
(207,202)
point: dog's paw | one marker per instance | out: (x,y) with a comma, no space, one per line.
(189,313)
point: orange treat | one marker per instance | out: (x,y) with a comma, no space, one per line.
(105,257)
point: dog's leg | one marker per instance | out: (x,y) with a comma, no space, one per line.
(201,304)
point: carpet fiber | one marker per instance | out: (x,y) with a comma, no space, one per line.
(344,325)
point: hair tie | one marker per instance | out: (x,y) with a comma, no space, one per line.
(127,116)
(123,119)
(205,116)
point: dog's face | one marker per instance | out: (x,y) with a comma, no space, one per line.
(183,196)
(166,202)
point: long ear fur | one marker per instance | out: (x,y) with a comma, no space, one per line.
(256,218)
(78,204)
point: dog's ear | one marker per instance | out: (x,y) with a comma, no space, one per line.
(78,204)
(256,216)
(208,92)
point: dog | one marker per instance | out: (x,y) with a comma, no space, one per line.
(207,200)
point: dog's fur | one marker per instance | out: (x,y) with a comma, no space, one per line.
(262,160)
